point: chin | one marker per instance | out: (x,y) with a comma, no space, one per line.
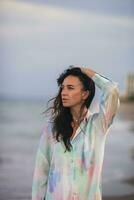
(66,105)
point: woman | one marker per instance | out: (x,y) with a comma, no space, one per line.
(70,154)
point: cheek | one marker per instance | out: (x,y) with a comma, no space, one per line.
(75,95)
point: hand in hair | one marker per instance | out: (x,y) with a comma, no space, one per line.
(87,71)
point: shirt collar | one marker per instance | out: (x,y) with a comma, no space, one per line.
(87,115)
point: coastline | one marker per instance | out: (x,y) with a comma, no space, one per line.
(126,110)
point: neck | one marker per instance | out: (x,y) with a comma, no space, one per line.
(76,113)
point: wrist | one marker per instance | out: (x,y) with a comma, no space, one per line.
(88,71)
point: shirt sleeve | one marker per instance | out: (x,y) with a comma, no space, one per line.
(109,102)
(41,170)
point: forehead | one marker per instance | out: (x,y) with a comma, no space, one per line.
(71,80)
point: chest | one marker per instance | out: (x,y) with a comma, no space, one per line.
(81,157)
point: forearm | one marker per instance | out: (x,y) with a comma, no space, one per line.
(102,82)
(109,102)
(41,170)
(40,177)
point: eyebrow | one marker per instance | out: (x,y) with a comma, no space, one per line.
(67,85)
(71,85)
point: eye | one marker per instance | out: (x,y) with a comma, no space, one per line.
(70,88)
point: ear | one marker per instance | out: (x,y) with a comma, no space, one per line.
(85,94)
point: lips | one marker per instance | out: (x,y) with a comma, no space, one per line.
(64,99)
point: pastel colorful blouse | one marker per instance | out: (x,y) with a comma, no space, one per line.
(76,175)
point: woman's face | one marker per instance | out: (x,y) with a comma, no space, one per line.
(72,92)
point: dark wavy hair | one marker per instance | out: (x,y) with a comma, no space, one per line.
(61,116)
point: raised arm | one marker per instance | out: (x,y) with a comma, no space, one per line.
(109,102)
(41,170)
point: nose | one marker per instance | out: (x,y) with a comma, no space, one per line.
(64,92)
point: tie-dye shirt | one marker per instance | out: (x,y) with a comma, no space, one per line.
(76,175)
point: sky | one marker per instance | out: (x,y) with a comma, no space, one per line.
(40,39)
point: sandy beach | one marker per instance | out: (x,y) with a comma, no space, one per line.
(129,197)
(126,113)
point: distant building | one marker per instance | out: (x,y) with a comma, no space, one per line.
(130,86)
(129,92)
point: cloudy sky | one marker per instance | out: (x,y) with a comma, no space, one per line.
(39,39)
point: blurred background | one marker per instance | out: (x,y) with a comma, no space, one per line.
(38,40)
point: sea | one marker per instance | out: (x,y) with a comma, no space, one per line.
(21,124)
